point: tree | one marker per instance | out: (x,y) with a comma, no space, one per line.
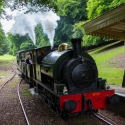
(41,38)
(74,10)
(78,30)
(35,5)
(16,43)
(3,42)
(1,8)
(26,45)
(71,12)
(63,32)
(100,7)
(115,3)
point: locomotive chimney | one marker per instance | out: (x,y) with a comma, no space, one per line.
(76,44)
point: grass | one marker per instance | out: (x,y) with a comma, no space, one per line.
(79,120)
(7,58)
(14,84)
(27,93)
(2,72)
(106,70)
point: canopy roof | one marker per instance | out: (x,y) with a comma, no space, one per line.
(109,25)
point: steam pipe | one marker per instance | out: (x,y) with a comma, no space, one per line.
(76,44)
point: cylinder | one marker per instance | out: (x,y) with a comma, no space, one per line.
(76,44)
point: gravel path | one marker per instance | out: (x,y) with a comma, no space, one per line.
(37,111)
(10,110)
(6,72)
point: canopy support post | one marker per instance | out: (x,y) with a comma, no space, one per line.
(123,82)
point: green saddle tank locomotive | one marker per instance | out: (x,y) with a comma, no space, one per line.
(67,78)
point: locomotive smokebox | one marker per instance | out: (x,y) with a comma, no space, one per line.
(76,44)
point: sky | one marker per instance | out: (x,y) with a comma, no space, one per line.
(19,23)
(8,23)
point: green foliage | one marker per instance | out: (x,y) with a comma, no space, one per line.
(116,3)
(1,8)
(26,45)
(63,32)
(100,7)
(91,40)
(78,30)
(1,4)
(18,42)
(96,9)
(35,5)
(6,57)
(71,12)
(41,38)
(3,42)
(27,93)
(73,8)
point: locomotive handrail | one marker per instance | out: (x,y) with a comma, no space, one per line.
(47,63)
(47,66)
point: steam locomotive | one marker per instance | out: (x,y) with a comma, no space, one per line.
(67,78)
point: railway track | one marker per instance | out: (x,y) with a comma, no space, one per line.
(18,88)
(24,112)
(100,116)
(43,104)
(104,119)
(27,120)
(54,112)
(8,79)
(25,115)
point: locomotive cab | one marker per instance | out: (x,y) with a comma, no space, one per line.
(39,54)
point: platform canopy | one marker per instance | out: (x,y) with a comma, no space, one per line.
(109,25)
